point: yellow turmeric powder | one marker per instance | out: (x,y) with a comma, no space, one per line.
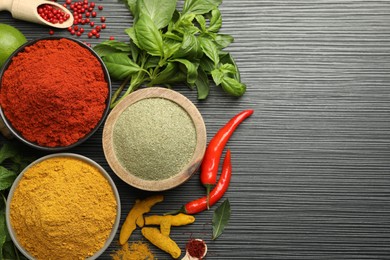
(163,242)
(134,251)
(135,216)
(63,208)
(167,221)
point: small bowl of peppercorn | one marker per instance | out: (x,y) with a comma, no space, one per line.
(54,93)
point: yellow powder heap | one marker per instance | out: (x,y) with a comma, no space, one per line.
(63,208)
(134,251)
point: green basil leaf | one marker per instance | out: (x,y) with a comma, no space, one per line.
(3,235)
(215,21)
(11,252)
(169,75)
(200,6)
(191,69)
(151,62)
(148,36)
(206,64)
(7,177)
(209,49)
(175,17)
(19,163)
(185,24)
(160,11)
(111,46)
(172,36)
(131,33)
(221,218)
(135,51)
(190,47)
(7,151)
(202,84)
(171,47)
(228,58)
(233,87)
(223,40)
(228,69)
(202,22)
(134,44)
(120,66)
(103,50)
(217,75)
(165,75)
(132,4)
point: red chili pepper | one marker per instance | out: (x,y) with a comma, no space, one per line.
(216,194)
(210,164)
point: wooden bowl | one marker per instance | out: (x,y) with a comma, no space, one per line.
(124,172)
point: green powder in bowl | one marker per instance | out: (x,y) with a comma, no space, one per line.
(154,139)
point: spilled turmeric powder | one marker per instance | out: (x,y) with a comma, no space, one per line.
(134,251)
(63,208)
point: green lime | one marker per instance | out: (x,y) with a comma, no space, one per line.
(10,39)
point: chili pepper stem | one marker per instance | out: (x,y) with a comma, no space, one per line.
(177,211)
(208,189)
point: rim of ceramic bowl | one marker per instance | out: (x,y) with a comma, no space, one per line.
(16,133)
(187,171)
(80,157)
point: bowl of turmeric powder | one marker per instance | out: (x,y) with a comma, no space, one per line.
(63,206)
(54,93)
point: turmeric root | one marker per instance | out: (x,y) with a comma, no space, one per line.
(165,243)
(135,216)
(167,221)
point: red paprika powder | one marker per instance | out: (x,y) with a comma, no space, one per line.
(54,92)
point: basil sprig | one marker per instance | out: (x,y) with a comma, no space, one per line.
(168,47)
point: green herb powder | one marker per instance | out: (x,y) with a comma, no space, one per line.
(154,138)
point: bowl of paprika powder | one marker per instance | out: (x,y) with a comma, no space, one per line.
(54,93)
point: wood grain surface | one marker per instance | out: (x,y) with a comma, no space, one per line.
(311,166)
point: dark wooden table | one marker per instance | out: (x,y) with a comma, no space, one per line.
(312,165)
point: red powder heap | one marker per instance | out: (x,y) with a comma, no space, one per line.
(54,92)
